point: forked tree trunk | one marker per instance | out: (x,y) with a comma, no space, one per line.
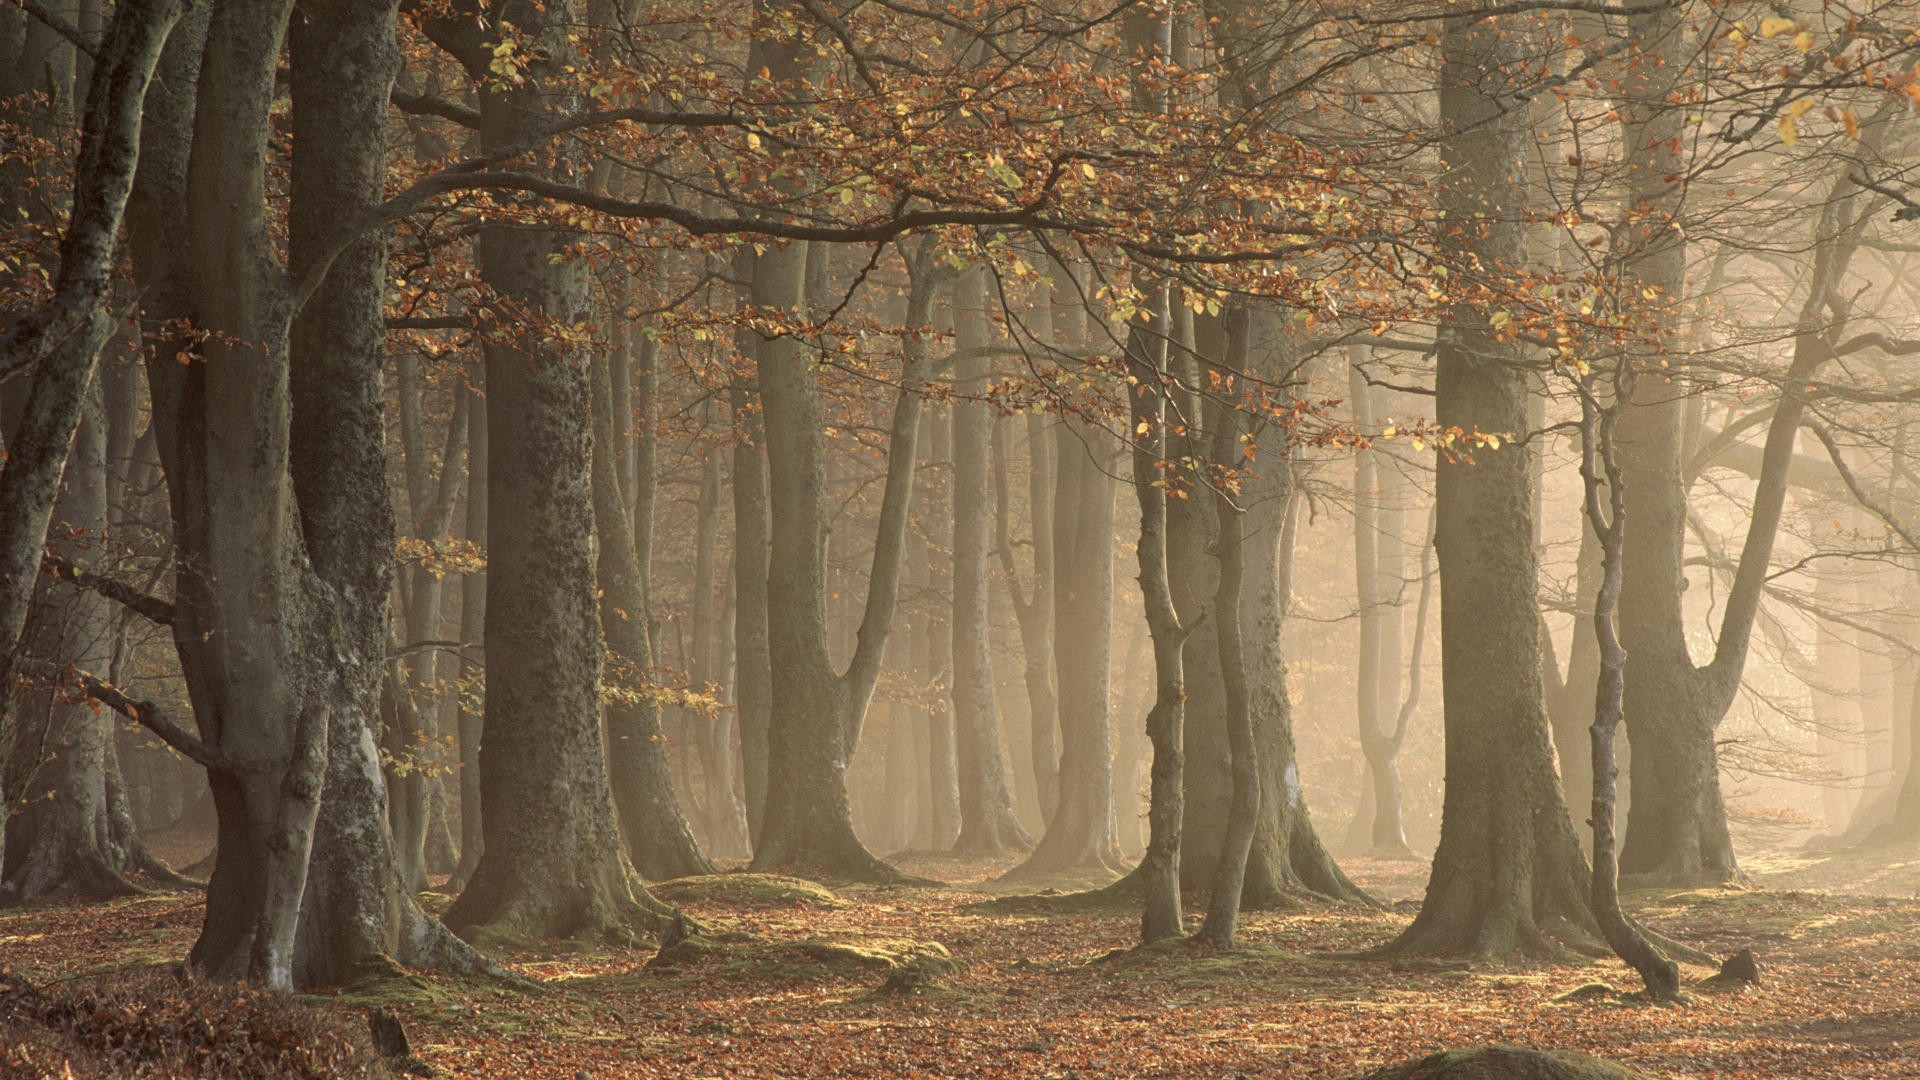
(1289,863)
(808,821)
(276,471)
(1032,605)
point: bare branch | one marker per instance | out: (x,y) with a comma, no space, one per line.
(144,713)
(145,605)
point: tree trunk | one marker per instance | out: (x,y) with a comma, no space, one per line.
(1288,863)
(808,820)
(414,672)
(988,824)
(753,677)
(1082,834)
(943,770)
(726,817)
(1230,873)
(1159,870)
(553,863)
(59,344)
(1379,562)
(1033,606)
(1508,873)
(1662,978)
(1677,823)
(473,675)
(276,471)
(651,821)
(60,843)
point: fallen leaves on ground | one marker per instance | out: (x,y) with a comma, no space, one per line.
(1840,996)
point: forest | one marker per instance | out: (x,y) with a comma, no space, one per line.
(1028,538)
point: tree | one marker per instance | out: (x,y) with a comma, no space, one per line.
(1508,872)
(61,843)
(1599,468)
(655,830)
(987,820)
(808,822)
(1081,834)
(553,863)
(59,343)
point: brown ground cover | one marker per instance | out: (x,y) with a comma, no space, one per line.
(802,983)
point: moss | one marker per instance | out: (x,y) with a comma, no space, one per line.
(1593,991)
(809,960)
(1505,1063)
(747,890)
(1113,898)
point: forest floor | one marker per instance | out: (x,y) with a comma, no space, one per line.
(1033,996)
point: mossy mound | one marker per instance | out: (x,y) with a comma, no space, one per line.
(746,890)
(1505,1063)
(812,959)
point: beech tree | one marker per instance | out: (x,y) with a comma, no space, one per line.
(553,863)
(1508,873)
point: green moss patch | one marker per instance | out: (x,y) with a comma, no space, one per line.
(811,959)
(746,890)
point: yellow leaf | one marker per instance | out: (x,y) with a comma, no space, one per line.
(1141,429)
(1803,41)
(1790,122)
(1773,28)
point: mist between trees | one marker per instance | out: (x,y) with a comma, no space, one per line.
(530,451)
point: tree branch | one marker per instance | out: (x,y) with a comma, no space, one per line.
(144,713)
(145,605)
